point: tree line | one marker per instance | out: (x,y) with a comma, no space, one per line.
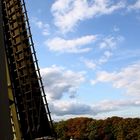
(114,128)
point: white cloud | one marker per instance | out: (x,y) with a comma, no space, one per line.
(67,13)
(41,25)
(106,47)
(108,105)
(135,6)
(59,82)
(70,46)
(128,78)
(106,56)
(63,108)
(110,42)
(131,54)
(89,63)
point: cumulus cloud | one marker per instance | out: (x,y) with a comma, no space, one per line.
(135,6)
(107,105)
(67,13)
(110,42)
(70,46)
(106,46)
(127,78)
(93,64)
(89,63)
(41,25)
(70,108)
(105,57)
(59,82)
(62,108)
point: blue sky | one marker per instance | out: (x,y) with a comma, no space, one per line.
(89,55)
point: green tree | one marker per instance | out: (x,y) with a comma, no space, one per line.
(114,128)
(61,130)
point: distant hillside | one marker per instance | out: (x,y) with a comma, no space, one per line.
(114,128)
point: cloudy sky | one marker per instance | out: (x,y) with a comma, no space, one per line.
(89,56)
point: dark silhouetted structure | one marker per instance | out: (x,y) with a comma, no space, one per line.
(24,112)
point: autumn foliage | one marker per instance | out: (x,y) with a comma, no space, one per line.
(114,128)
